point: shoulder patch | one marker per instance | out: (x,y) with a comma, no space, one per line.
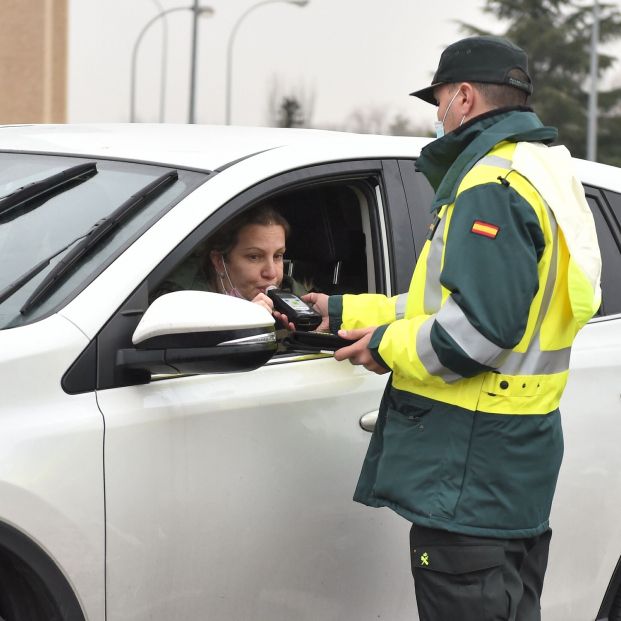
(485,228)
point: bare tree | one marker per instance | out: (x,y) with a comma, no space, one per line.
(401,125)
(376,119)
(368,120)
(291,107)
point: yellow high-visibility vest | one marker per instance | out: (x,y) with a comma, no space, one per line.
(530,378)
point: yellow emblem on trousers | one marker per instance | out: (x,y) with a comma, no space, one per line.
(424,559)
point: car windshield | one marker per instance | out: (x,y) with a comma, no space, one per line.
(45,224)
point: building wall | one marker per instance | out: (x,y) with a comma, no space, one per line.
(33,61)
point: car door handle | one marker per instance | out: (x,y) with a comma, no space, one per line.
(367,421)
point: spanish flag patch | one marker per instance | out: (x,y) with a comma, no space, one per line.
(485,228)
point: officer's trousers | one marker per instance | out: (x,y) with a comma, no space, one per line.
(463,578)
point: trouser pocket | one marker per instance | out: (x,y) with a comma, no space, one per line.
(459,582)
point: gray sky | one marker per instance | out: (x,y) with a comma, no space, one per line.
(346,54)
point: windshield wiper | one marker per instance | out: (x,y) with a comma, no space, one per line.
(99,231)
(7,292)
(44,189)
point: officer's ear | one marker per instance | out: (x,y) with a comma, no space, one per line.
(467,99)
(470,101)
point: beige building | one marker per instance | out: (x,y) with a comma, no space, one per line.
(33,61)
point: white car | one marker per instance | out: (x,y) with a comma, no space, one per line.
(148,475)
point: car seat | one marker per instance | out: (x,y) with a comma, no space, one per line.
(326,246)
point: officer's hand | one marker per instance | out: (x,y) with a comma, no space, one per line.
(359,353)
(319,301)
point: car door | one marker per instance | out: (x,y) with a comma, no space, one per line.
(229,496)
(586,545)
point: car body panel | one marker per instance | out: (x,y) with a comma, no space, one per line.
(51,481)
(585,522)
(229,496)
(239,493)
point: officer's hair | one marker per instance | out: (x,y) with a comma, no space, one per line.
(503,95)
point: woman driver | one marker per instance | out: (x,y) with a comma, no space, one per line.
(246,256)
(242,259)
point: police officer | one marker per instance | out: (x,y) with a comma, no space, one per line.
(468,443)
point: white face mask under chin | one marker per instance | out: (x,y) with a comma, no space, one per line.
(439,125)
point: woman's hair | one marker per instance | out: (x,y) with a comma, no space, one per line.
(226,238)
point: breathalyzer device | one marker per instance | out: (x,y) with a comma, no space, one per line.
(298,312)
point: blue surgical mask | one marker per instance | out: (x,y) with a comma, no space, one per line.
(439,125)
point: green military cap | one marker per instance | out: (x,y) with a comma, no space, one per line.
(486,59)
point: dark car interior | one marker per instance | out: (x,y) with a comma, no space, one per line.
(327,247)
(326,250)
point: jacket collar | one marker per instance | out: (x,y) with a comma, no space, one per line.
(447,160)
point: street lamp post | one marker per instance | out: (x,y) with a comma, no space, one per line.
(229,51)
(132,90)
(163,62)
(592,114)
(191,114)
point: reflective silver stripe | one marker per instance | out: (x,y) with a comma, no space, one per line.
(428,356)
(402,302)
(433,289)
(495,160)
(534,361)
(432,299)
(551,280)
(476,346)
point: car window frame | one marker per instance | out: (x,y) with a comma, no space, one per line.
(95,369)
(419,195)
(599,196)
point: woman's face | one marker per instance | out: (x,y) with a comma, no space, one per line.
(255,262)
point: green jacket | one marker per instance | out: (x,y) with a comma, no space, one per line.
(450,451)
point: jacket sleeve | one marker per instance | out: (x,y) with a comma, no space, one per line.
(490,268)
(367,309)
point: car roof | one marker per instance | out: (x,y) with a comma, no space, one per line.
(206,147)
(209,147)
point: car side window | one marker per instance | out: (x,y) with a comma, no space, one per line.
(330,230)
(343,215)
(613,201)
(329,247)
(607,228)
(336,244)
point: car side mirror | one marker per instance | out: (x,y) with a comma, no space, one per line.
(200,332)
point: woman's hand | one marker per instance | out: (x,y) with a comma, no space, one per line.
(284,320)
(266,302)
(262,300)
(319,301)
